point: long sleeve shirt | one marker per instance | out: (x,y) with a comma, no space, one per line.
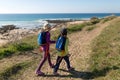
(48,42)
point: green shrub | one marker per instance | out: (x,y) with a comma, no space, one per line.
(23,47)
(94,20)
(90,28)
(75,28)
(25,44)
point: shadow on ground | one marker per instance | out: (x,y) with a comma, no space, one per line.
(86,75)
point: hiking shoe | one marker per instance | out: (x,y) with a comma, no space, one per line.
(56,74)
(39,73)
(52,66)
(70,69)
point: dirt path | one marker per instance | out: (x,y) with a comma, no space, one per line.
(80,54)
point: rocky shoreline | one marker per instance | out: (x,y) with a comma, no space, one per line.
(11,33)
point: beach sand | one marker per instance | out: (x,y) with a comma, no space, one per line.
(76,22)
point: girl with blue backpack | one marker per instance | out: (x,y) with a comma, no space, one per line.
(44,43)
(62,51)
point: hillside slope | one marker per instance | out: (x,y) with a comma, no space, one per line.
(80,51)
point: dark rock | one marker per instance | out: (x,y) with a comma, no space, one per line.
(9,27)
(6,28)
(58,21)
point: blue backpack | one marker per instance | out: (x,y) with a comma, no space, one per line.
(42,38)
(60,43)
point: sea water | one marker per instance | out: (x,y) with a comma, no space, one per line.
(37,20)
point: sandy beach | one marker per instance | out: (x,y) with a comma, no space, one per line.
(77,22)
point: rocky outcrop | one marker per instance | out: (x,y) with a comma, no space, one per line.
(6,28)
(14,35)
(58,21)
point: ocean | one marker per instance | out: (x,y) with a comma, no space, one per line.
(37,20)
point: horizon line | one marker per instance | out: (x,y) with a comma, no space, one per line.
(69,13)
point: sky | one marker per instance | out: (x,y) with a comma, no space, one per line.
(59,6)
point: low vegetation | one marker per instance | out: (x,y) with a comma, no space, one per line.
(103,20)
(13,70)
(75,28)
(89,28)
(26,44)
(106,54)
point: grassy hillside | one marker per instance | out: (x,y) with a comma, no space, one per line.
(100,54)
(105,56)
